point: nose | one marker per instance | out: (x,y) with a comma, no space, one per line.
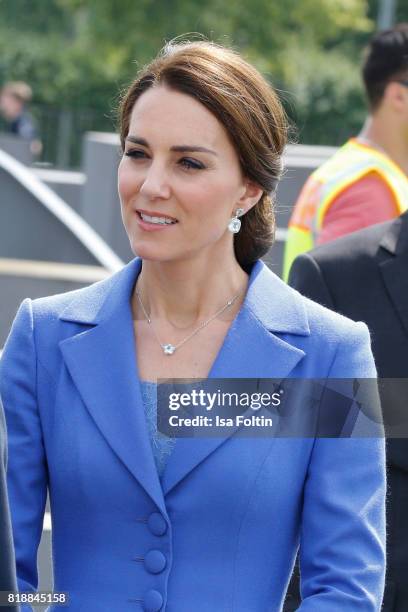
(155,183)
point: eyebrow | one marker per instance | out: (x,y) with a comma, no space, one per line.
(178,148)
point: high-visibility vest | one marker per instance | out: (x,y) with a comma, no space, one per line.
(348,165)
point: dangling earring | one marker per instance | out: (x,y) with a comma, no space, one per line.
(235,224)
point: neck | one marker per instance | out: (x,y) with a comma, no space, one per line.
(188,291)
(384,134)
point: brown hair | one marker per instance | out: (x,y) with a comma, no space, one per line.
(242,100)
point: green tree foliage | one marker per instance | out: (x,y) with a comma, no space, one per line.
(80,53)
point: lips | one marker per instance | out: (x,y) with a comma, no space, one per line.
(153,222)
(155,218)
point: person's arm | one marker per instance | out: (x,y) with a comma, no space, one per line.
(27,470)
(364,203)
(342,547)
(306,276)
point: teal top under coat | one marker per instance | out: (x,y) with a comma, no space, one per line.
(162,446)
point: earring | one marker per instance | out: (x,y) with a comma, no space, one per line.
(235,224)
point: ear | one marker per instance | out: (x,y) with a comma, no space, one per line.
(395,95)
(251,196)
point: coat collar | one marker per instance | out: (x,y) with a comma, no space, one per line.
(102,362)
(394,265)
(276,306)
(395,240)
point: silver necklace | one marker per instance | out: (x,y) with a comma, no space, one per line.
(168,348)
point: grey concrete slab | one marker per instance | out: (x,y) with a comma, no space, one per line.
(17,147)
(35,223)
(28,230)
(100,205)
(44,562)
(68,185)
(14,289)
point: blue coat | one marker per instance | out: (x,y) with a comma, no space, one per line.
(221,531)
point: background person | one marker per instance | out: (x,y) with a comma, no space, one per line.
(14,98)
(365,182)
(213,522)
(363,276)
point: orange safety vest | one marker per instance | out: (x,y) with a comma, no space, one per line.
(348,165)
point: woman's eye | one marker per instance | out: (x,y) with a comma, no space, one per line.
(135,153)
(185,162)
(191,164)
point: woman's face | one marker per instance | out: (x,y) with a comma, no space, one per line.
(179,179)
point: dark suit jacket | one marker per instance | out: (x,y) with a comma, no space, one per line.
(7,562)
(365,277)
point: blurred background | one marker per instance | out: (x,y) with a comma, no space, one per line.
(60,225)
(77,54)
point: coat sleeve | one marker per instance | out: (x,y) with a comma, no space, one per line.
(27,470)
(342,549)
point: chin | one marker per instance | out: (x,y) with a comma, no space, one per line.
(151,252)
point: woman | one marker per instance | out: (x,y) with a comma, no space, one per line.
(205,524)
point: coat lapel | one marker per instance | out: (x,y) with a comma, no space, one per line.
(251,350)
(394,268)
(102,362)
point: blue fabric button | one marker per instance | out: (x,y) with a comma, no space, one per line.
(157,524)
(153,601)
(155,561)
